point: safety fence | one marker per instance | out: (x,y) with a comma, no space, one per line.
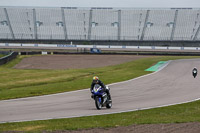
(5,59)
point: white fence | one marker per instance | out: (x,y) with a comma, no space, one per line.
(20,45)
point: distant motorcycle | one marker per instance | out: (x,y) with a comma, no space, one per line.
(194,72)
(101,98)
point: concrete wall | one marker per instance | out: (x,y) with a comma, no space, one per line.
(109,42)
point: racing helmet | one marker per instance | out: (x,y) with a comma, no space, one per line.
(95,79)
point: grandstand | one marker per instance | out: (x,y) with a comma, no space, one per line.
(99,24)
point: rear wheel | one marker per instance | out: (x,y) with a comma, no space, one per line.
(98,103)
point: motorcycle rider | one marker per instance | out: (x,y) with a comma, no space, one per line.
(97,81)
(194,72)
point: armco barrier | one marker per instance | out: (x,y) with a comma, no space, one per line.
(5,59)
(31,53)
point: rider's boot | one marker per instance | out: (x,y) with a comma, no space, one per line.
(108,93)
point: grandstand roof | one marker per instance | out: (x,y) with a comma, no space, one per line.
(102,3)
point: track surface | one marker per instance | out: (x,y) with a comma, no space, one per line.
(173,84)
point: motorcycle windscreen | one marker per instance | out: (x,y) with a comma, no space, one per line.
(96,87)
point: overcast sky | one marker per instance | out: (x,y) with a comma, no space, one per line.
(102,3)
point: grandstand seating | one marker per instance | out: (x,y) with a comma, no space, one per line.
(105,28)
(77,23)
(160,29)
(65,23)
(132,23)
(21,21)
(187,24)
(4,29)
(49,19)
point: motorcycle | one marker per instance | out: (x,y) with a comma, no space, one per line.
(194,72)
(101,98)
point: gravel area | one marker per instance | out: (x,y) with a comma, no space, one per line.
(73,61)
(193,127)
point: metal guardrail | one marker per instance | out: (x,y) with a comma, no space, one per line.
(5,59)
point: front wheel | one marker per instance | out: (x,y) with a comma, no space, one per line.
(98,102)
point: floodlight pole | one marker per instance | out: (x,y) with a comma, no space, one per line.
(90,25)
(145,25)
(196,34)
(119,24)
(174,26)
(35,26)
(64,23)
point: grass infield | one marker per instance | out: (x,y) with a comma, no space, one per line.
(1,55)
(24,83)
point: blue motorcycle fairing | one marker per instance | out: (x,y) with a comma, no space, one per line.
(98,92)
(99,99)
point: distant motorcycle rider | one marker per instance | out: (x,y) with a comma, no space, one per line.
(97,81)
(194,72)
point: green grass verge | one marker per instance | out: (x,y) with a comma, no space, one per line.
(16,83)
(189,112)
(1,55)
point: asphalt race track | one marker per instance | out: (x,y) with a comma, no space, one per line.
(172,85)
